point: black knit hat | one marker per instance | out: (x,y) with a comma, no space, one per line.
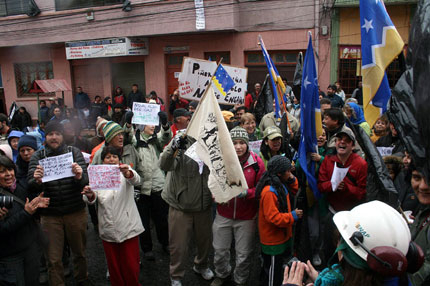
(27,140)
(278,164)
(54,126)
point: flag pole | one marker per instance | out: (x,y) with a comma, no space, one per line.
(198,106)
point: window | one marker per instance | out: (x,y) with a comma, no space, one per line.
(350,68)
(278,57)
(216,56)
(27,73)
(13,7)
(61,5)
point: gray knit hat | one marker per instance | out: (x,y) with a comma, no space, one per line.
(239,133)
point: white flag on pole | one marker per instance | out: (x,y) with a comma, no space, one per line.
(216,150)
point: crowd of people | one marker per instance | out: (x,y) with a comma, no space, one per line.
(335,231)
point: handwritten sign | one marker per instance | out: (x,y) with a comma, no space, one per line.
(145,113)
(191,152)
(385,151)
(254,146)
(104,177)
(86,157)
(338,176)
(57,167)
(196,75)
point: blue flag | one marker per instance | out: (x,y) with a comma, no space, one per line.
(222,80)
(380,45)
(310,118)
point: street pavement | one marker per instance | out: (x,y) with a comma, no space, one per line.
(153,273)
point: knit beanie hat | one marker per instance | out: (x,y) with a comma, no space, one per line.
(239,133)
(100,121)
(27,140)
(111,129)
(278,164)
(54,126)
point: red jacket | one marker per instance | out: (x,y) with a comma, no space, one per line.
(245,208)
(275,227)
(353,192)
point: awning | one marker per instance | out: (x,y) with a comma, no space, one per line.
(52,85)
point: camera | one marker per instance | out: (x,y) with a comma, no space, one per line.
(6,202)
(290,263)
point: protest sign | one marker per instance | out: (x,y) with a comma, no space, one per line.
(191,152)
(254,146)
(57,167)
(196,75)
(338,176)
(145,113)
(86,157)
(385,151)
(104,177)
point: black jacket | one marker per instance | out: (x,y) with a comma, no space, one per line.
(19,229)
(21,120)
(65,194)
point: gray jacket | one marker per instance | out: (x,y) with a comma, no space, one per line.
(185,189)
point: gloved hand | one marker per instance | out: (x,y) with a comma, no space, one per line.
(179,142)
(163,117)
(243,194)
(128,117)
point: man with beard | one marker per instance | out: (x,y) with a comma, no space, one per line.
(65,218)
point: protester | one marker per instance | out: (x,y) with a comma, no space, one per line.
(334,120)
(134,96)
(52,106)
(177,102)
(158,100)
(149,145)
(239,111)
(118,114)
(107,106)
(369,253)
(4,128)
(44,111)
(181,118)
(192,106)
(119,223)
(356,116)
(295,109)
(358,93)
(236,218)
(391,140)
(402,183)
(187,193)
(270,120)
(58,115)
(247,121)
(380,128)
(339,91)
(82,103)
(97,109)
(21,119)
(272,143)
(27,145)
(19,241)
(251,98)
(13,139)
(276,217)
(119,97)
(66,210)
(336,100)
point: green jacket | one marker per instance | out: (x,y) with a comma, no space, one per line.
(420,235)
(149,150)
(185,189)
(129,157)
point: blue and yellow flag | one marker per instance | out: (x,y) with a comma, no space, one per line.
(222,80)
(380,45)
(310,118)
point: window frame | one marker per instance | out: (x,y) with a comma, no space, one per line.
(90,4)
(45,67)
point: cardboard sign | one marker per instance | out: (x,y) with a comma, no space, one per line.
(197,73)
(104,177)
(57,167)
(145,113)
(254,146)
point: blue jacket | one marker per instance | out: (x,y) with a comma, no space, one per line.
(82,101)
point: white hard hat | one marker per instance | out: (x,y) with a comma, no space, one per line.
(379,224)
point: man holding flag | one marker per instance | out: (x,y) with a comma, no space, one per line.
(380,45)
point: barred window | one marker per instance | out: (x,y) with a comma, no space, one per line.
(61,5)
(27,73)
(13,7)
(216,56)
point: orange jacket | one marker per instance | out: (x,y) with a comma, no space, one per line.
(275,227)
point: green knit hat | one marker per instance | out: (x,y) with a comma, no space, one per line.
(239,133)
(110,130)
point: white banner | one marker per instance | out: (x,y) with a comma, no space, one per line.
(197,73)
(145,113)
(200,15)
(216,150)
(104,177)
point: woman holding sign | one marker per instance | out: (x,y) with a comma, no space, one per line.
(119,221)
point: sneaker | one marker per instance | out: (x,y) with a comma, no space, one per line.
(218,281)
(107,275)
(176,283)
(316,260)
(206,273)
(149,256)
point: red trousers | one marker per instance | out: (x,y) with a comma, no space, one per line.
(123,262)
